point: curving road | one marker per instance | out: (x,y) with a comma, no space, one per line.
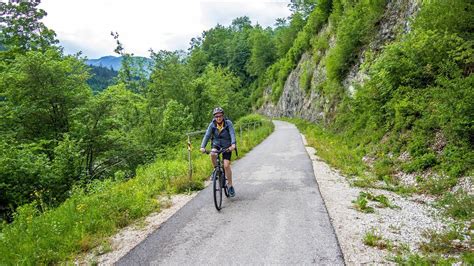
(277,216)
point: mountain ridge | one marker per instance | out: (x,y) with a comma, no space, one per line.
(112,62)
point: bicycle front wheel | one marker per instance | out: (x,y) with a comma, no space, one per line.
(217,189)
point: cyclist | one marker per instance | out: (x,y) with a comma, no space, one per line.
(222,134)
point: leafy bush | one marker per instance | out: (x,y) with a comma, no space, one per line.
(278,72)
(353,31)
(361,204)
(306,77)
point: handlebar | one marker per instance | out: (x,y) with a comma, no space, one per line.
(221,150)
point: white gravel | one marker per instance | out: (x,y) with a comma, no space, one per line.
(130,236)
(403,225)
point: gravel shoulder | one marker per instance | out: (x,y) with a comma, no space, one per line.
(129,237)
(401,226)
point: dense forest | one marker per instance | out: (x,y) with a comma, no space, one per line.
(101,78)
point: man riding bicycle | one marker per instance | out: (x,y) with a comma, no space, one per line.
(222,133)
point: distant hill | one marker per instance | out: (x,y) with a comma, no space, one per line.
(111,62)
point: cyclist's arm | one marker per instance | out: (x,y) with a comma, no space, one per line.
(207,136)
(232,133)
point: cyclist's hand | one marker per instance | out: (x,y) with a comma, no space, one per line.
(232,147)
(203,150)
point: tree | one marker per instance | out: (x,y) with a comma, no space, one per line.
(303,7)
(215,43)
(42,92)
(241,23)
(169,80)
(285,33)
(220,87)
(239,49)
(177,120)
(111,126)
(21,27)
(263,51)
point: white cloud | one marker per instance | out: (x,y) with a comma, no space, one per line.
(143,24)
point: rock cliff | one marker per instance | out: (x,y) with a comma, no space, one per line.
(312,104)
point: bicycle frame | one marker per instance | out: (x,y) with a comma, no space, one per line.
(219,180)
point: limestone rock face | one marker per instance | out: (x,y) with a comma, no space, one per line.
(312,104)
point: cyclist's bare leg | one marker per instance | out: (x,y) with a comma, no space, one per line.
(228,172)
(214,157)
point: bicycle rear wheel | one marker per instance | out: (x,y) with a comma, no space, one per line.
(217,189)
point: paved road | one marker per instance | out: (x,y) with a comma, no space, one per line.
(277,216)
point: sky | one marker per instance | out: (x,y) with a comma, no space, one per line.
(143,24)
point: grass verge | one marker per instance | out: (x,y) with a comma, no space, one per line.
(335,150)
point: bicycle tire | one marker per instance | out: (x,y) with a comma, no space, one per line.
(226,188)
(217,190)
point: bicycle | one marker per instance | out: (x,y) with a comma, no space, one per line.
(219,180)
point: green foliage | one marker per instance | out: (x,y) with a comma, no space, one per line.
(417,259)
(110,125)
(412,86)
(278,72)
(252,118)
(458,205)
(382,199)
(177,120)
(374,239)
(335,149)
(303,7)
(361,204)
(42,91)
(21,27)
(170,76)
(101,78)
(218,87)
(320,44)
(215,43)
(444,242)
(134,71)
(306,77)
(262,52)
(354,30)
(25,172)
(383,167)
(42,95)
(285,34)
(418,102)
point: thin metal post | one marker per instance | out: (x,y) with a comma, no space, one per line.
(189,158)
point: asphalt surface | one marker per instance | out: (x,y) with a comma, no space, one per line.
(276,217)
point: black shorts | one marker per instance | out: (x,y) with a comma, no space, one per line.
(225,155)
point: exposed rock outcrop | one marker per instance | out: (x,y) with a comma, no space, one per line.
(314,105)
